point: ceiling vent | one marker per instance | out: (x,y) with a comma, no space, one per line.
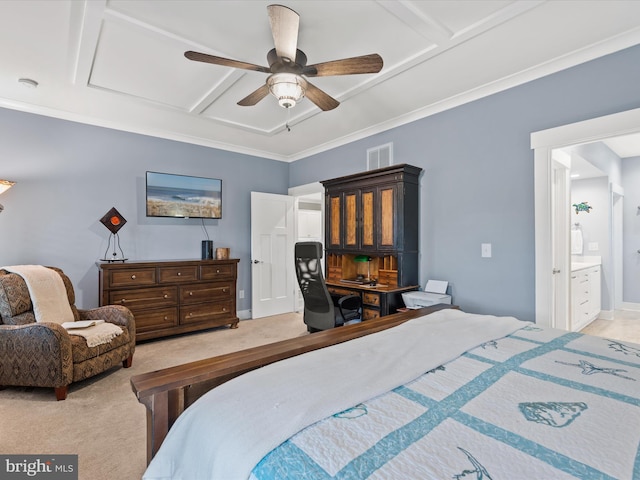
(380,156)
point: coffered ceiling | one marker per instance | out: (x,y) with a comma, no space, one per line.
(121,64)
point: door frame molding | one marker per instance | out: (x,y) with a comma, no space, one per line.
(543,142)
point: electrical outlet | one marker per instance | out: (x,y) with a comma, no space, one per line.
(486,250)
(241,294)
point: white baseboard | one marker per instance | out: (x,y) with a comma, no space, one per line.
(606,314)
(635,307)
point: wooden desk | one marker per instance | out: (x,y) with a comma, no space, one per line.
(377,301)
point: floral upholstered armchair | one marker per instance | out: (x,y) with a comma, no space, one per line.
(44,354)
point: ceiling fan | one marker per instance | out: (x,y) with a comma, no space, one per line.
(288,65)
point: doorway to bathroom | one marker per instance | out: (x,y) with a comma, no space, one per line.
(552,264)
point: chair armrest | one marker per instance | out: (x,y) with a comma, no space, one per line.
(116,314)
(46,345)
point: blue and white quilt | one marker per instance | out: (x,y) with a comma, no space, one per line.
(537,404)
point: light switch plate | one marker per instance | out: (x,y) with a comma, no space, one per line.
(486,250)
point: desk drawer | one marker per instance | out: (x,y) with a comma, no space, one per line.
(132,278)
(342,291)
(145,297)
(178,274)
(368,313)
(371,299)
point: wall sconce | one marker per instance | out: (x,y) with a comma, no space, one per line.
(4,186)
(114,222)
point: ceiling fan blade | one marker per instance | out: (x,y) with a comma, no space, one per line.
(284,27)
(348,66)
(321,99)
(226,62)
(254,97)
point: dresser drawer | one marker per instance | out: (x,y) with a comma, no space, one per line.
(206,312)
(132,278)
(150,320)
(214,272)
(204,292)
(145,297)
(187,273)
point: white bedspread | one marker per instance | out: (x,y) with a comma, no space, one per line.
(228,431)
(47,291)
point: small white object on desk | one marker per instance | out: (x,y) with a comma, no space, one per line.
(434,292)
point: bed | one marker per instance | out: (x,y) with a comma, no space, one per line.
(425,394)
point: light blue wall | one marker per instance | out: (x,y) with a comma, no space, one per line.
(602,157)
(478,186)
(69,175)
(631,229)
(596,226)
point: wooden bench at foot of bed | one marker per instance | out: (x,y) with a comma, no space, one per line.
(168,392)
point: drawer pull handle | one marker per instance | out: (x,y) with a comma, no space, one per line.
(166,296)
(179,273)
(166,318)
(190,294)
(218,271)
(191,314)
(124,300)
(224,309)
(133,277)
(224,290)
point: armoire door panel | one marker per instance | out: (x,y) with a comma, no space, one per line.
(351,220)
(335,216)
(368,238)
(387,217)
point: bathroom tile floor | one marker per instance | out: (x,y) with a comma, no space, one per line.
(624,326)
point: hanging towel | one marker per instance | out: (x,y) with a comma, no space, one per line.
(576,241)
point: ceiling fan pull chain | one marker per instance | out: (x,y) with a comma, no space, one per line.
(288,118)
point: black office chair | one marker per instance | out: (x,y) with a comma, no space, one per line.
(321,309)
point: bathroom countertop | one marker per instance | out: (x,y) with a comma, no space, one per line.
(575,266)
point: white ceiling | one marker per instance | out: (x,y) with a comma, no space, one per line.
(120,63)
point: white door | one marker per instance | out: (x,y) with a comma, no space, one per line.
(560,239)
(272,240)
(617,210)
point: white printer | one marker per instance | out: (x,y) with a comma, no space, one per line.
(434,292)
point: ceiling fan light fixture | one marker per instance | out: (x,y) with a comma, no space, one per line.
(5,185)
(288,88)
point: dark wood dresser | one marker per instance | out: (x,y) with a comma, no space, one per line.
(170,297)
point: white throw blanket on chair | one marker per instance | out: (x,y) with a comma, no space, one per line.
(95,332)
(47,291)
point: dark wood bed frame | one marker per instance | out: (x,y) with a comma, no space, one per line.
(168,392)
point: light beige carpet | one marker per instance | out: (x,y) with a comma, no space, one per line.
(101,419)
